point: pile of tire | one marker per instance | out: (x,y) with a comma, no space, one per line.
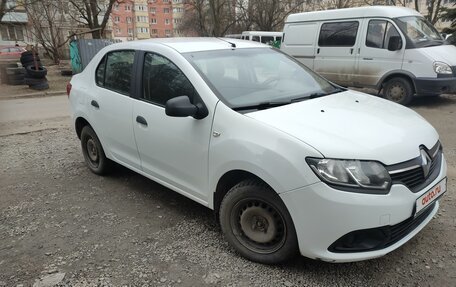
(15,75)
(35,72)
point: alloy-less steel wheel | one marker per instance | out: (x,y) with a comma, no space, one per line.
(398,90)
(93,152)
(257,224)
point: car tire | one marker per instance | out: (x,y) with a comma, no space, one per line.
(40,86)
(398,90)
(33,81)
(37,74)
(15,71)
(256,222)
(15,82)
(27,57)
(16,77)
(93,152)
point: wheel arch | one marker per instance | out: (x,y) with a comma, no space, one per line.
(397,74)
(79,124)
(227,181)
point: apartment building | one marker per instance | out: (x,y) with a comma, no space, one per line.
(14,25)
(178,15)
(144,19)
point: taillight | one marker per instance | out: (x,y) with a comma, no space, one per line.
(68,89)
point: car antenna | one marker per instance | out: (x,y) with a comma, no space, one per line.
(232,44)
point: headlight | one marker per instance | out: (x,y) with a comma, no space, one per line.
(442,68)
(367,176)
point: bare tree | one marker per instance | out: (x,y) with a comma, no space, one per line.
(47,18)
(209,17)
(3,8)
(89,11)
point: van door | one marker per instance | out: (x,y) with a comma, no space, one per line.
(299,42)
(335,57)
(374,59)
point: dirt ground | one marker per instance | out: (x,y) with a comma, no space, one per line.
(56,81)
(59,219)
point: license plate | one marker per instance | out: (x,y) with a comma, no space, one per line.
(430,196)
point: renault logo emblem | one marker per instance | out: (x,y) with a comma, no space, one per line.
(425,162)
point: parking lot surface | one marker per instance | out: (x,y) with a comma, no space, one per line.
(59,221)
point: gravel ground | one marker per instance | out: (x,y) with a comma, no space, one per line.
(60,222)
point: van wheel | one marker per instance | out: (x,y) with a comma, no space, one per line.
(93,152)
(257,224)
(398,90)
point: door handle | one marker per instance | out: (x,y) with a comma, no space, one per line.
(368,59)
(318,51)
(351,51)
(141,120)
(95,104)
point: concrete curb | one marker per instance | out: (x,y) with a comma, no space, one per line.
(33,95)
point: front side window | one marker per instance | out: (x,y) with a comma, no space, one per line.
(338,34)
(163,80)
(115,71)
(246,77)
(379,33)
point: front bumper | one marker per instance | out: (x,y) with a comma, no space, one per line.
(322,215)
(435,86)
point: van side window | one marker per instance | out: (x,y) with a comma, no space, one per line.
(118,71)
(162,80)
(256,38)
(267,39)
(338,34)
(379,33)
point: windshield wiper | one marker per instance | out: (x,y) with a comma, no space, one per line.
(262,106)
(267,105)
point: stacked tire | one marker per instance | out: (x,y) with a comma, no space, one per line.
(15,75)
(35,72)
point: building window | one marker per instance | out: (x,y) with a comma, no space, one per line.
(153,21)
(12,33)
(116,19)
(128,19)
(141,8)
(166,10)
(153,31)
(168,33)
(127,8)
(142,19)
(165,1)
(130,31)
(167,21)
(116,7)
(143,30)
(177,20)
(153,10)
(118,31)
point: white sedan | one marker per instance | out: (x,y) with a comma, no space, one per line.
(288,161)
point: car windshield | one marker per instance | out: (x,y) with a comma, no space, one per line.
(258,78)
(420,31)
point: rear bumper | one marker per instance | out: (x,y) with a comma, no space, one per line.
(435,86)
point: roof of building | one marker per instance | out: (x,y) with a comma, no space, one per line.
(358,12)
(190,44)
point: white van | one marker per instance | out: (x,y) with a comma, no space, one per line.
(265,37)
(391,48)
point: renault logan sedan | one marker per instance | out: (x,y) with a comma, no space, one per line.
(287,160)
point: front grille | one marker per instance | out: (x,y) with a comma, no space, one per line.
(380,237)
(412,175)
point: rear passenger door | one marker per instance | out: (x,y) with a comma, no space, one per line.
(110,107)
(335,55)
(375,60)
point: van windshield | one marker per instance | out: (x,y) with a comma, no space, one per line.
(258,78)
(420,31)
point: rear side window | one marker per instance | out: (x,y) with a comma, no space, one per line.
(163,80)
(379,33)
(338,34)
(115,71)
(256,38)
(267,39)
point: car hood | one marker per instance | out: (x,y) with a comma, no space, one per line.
(353,125)
(444,53)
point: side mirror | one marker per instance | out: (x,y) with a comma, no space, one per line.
(395,43)
(182,107)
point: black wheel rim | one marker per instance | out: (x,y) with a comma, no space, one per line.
(396,92)
(92,152)
(258,225)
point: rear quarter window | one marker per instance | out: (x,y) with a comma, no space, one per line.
(338,34)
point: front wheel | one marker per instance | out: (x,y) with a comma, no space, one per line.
(93,152)
(398,90)
(257,224)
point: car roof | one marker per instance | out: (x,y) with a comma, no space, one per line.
(350,13)
(190,44)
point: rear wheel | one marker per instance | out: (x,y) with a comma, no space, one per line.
(257,224)
(93,152)
(398,90)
